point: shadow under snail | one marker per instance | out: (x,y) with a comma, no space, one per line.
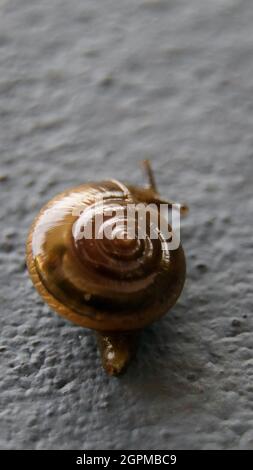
(115,286)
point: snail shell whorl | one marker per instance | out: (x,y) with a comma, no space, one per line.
(105,284)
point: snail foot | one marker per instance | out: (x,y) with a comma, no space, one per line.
(116,350)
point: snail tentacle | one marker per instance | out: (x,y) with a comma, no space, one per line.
(150,175)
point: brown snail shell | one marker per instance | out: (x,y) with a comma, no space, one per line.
(115,286)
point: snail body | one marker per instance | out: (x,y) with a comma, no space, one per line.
(115,285)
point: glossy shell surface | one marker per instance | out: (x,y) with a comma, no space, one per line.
(102,284)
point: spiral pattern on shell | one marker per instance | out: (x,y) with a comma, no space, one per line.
(115,283)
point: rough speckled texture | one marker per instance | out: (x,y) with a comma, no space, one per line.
(87,89)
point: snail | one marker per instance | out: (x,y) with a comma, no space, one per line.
(114,285)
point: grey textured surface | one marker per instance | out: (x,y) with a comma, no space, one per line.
(87,89)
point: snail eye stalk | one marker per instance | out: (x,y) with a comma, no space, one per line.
(150,175)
